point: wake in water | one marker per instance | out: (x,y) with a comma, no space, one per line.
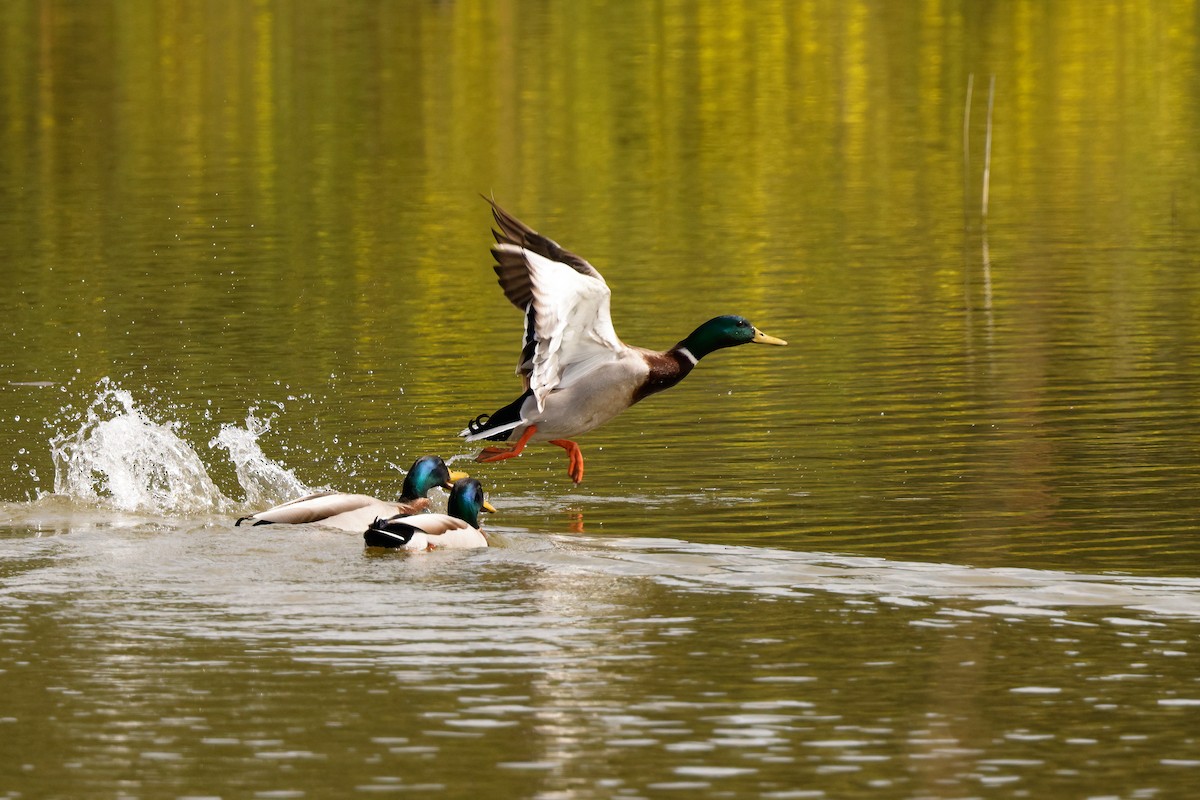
(122,459)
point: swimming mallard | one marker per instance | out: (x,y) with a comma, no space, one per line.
(577,373)
(354,512)
(457,529)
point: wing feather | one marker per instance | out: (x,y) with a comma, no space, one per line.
(568,328)
(511,268)
(314,508)
(568,325)
(436,524)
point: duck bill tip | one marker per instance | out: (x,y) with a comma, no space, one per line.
(763,338)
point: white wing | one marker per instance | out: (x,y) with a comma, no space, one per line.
(435,524)
(568,330)
(347,511)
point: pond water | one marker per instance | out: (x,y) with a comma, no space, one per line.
(945,544)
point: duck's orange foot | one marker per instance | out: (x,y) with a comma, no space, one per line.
(490,454)
(575,459)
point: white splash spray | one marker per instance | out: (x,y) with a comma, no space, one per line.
(264,481)
(121,458)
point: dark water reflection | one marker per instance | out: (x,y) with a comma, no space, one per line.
(943,545)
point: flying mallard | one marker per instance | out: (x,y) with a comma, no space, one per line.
(457,529)
(354,512)
(577,373)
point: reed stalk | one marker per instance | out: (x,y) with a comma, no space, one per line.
(987,150)
(967,139)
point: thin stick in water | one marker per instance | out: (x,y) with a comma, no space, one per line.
(967,136)
(987,150)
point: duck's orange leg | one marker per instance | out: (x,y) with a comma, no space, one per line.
(489,454)
(575,456)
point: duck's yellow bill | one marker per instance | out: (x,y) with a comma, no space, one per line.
(488,506)
(458,476)
(762,338)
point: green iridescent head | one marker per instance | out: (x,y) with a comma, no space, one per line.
(727,331)
(426,473)
(467,500)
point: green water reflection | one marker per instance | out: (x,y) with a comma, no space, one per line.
(272,208)
(225,206)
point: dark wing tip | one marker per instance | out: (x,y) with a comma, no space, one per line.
(513,231)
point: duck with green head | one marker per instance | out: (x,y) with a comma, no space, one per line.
(577,374)
(457,529)
(354,512)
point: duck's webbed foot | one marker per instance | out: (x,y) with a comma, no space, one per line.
(575,459)
(490,454)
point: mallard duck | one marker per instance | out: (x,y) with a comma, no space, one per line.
(354,512)
(577,374)
(457,529)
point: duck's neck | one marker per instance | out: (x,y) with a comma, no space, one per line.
(409,492)
(670,367)
(465,512)
(666,370)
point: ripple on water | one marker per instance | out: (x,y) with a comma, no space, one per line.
(995,591)
(713,772)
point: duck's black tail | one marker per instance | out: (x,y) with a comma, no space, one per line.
(388,533)
(496,427)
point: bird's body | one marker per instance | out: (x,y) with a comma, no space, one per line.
(577,373)
(354,512)
(457,529)
(347,512)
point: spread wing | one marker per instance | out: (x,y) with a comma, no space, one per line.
(568,326)
(511,269)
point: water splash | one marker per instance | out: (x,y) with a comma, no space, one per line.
(264,481)
(121,458)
